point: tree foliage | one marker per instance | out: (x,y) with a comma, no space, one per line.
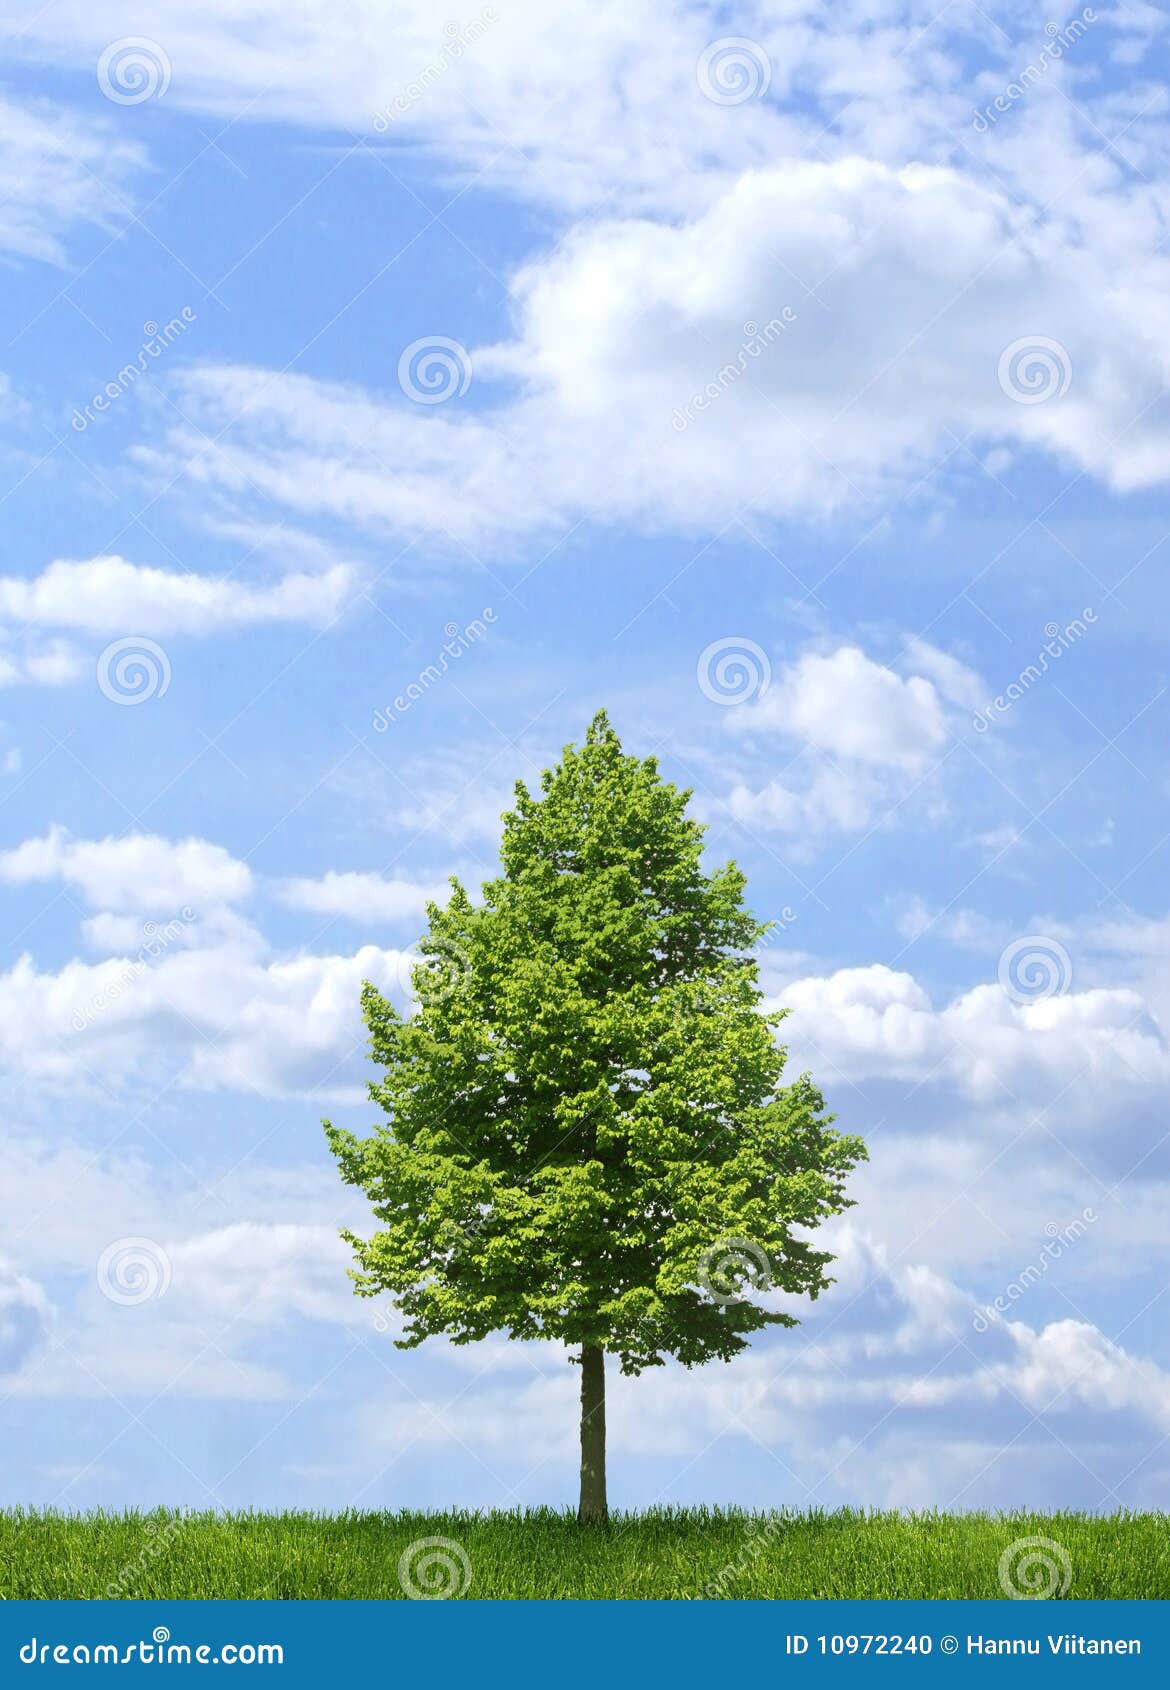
(586,1134)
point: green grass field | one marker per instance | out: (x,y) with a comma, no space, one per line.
(681,1553)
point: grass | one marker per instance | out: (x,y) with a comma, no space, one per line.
(680,1553)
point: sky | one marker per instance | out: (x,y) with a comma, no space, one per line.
(384,388)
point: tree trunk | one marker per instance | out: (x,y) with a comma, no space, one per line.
(593,1505)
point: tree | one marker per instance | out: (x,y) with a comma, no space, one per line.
(586,1138)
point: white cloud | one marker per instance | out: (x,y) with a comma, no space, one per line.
(211,1017)
(591,102)
(330,451)
(362,897)
(848,705)
(921,278)
(599,103)
(863,738)
(264,1273)
(1072,1357)
(58,170)
(957,683)
(452,805)
(139,872)
(107,595)
(187,987)
(178,1203)
(808,802)
(228,1287)
(24,1319)
(197,1339)
(292,1025)
(110,1360)
(969,929)
(879,1023)
(53,664)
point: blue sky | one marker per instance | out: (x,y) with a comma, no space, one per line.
(922,507)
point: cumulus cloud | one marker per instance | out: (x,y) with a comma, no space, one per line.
(223,1288)
(955,681)
(264,1273)
(847,395)
(656,379)
(51,663)
(810,800)
(361,897)
(878,1022)
(845,703)
(214,1005)
(109,595)
(129,1194)
(859,736)
(208,1293)
(211,1017)
(187,987)
(138,872)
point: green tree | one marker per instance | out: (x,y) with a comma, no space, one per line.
(587,1139)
